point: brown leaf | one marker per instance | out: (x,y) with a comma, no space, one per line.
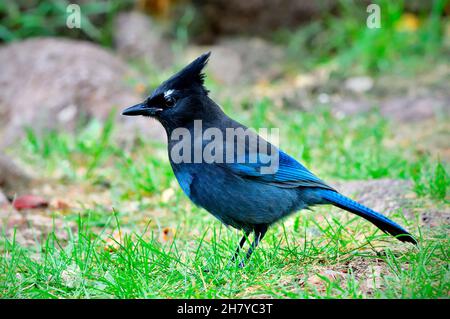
(167,235)
(60,204)
(29,202)
(116,239)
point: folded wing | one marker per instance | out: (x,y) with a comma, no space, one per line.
(286,171)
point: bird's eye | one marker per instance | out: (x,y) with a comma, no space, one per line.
(170,101)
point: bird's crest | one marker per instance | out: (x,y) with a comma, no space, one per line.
(190,75)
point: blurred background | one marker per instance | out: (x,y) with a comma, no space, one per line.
(366,108)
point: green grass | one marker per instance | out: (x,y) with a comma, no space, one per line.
(24,19)
(344,40)
(282,267)
(119,252)
(431,180)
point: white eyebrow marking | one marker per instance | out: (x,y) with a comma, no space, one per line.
(168,93)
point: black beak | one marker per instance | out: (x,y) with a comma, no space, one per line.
(141,109)
(138,109)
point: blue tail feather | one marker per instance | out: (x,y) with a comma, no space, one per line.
(379,220)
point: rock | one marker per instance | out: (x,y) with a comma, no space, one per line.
(225,66)
(136,36)
(237,61)
(359,84)
(13,179)
(50,83)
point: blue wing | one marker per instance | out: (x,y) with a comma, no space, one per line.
(288,173)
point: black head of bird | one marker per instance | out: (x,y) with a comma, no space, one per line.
(180,99)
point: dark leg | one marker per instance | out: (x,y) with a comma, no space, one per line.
(241,243)
(260,231)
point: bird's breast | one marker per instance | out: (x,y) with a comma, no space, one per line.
(234,200)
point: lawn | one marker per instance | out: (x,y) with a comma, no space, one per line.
(122,228)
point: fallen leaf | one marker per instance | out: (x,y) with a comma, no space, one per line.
(116,239)
(29,202)
(167,234)
(59,204)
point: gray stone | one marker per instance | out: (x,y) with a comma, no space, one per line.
(52,83)
(359,84)
(136,36)
(238,61)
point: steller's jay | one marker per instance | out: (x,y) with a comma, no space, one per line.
(238,192)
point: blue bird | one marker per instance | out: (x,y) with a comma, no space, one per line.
(238,191)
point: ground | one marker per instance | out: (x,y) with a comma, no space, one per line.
(118,225)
